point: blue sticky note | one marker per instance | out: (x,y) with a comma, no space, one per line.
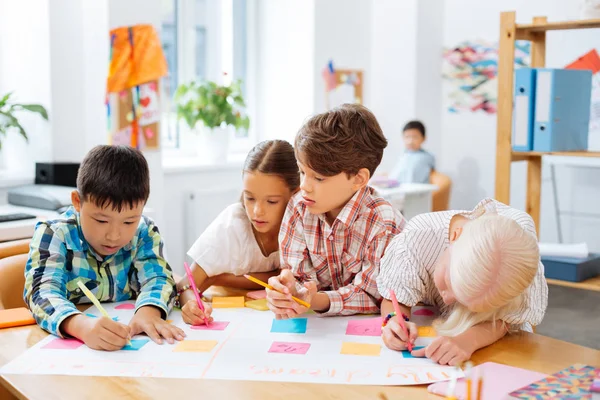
(295,325)
(95,316)
(136,344)
(406,353)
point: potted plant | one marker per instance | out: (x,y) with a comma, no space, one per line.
(217,107)
(9,121)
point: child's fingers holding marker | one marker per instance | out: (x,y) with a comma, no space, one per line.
(393,336)
(193,315)
(277,284)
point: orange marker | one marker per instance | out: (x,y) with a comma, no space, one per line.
(266,285)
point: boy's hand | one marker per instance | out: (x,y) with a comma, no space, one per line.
(280,299)
(446,351)
(394,337)
(147,319)
(193,315)
(104,333)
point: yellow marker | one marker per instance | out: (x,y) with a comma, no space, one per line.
(266,285)
(95,301)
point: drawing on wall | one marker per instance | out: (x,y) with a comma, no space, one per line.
(470,70)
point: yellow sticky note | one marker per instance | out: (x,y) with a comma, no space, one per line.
(426,331)
(360,349)
(228,302)
(169,321)
(195,346)
(260,304)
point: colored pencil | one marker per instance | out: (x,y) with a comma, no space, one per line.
(266,285)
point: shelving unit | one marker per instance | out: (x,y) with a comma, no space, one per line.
(535,32)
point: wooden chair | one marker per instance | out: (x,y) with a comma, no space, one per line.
(441,197)
(13,257)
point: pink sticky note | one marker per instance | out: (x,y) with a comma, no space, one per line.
(257,294)
(149,133)
(125,306)
(213,326)
(364,327)
(289,347)
(424,311)
(63,344)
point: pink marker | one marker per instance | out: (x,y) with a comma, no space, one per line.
(188,272)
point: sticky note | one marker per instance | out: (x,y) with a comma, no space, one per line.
(424,312)
(125,306)
(295,325)
(406,353)
(260,304)
(213,326)
(63,344)
(426,331)
(289,348)
(228,302)
(257,294)
(195,346)
(95,316)
(364,327)
(169,321)
(360,349)
(136,344)
(15,317)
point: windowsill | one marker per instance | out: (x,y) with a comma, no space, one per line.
(188,164)
(10,179)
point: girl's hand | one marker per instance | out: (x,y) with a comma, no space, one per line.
(394,337)
(446,351)
(193,315)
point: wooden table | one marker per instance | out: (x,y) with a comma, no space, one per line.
(525,350)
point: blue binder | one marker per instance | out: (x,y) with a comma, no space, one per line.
(562,109)
(523,115)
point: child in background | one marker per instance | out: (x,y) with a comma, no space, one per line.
(243,238)
(481,268)
(103,241)
(416,164)
(336,229)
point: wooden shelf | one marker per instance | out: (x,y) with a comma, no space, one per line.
(557,26)
(522,155)
(590,284)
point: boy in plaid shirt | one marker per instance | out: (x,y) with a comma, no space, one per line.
(104,241)
(335,230)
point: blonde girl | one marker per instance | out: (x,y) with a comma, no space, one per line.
(244,237)
(482,270)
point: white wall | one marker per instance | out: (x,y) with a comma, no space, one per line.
(285,96)
(469,140)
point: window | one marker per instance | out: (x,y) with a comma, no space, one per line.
(202,39)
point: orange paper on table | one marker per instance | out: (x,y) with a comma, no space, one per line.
(195,346)
(426,331)
(228,302)
(15,317)
(137,60)
(360,349)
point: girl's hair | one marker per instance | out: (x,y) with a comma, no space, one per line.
(492,263)
(275,157)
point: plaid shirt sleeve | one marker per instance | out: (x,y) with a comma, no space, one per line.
(292,247)
(157,286)
(46,280)
(361,296)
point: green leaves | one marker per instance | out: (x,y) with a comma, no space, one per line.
(211,104)
(8,119)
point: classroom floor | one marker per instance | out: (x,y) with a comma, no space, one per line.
(573,315)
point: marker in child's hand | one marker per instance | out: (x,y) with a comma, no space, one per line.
(266,285)
(400,319)
(188,272)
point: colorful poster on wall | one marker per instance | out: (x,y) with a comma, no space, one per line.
(470,70)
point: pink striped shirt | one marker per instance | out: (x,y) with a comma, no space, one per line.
(342,258)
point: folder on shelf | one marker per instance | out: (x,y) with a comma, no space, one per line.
(523,116)
(562,109)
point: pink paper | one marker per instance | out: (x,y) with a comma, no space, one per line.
(289,347)
(498,381)
(257,294)
(125,306)
(425,312)
(213,326)
(364,327)
(63,344)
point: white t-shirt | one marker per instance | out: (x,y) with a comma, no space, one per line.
(228,245)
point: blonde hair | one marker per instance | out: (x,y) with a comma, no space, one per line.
(492,263)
